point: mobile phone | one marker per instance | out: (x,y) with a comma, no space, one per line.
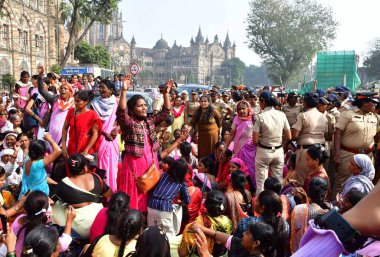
(4,223)
(56,198)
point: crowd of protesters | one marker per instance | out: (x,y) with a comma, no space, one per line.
(238,172)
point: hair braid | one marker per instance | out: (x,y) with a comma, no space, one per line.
(126,233)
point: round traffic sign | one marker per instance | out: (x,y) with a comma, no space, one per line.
(134,69)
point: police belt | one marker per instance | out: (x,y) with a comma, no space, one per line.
(308,146)
(270,147)
(357,150)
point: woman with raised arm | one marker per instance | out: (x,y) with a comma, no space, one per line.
(141,144)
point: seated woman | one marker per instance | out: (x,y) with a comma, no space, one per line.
(214,219)
(315,157)
(238,199)
(41,241)
(224,170)
(302,213)
(269,206)
(106,220)
(37,207)
(84,191)
(35,176)
(152,242)
(257,240)
(362,170)
(122,241)
(7,205)
(202,176)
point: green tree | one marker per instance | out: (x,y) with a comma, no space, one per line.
(79,15)
(85,53)
(288,33)
(233,70)
(372,60)
(55,68)
(256,76)
(8,81)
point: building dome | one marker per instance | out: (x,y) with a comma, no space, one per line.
(161,44)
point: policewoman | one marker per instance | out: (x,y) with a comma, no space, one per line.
(355,133)
(309,130)
(268,131)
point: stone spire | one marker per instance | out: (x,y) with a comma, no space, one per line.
(207,41)
(199,39)
(227,42)
(216,39)
(133,41)
(192,40)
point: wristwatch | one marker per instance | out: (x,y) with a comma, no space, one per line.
(350,238)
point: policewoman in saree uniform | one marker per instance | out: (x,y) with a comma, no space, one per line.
(268,131)
(355,134)
(309,130)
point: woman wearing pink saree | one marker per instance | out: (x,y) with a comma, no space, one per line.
(140,140)
(61,105)
(108,154)
(241,135)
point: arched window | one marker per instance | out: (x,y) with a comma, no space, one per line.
(23,35)
(39,38)
(5,31)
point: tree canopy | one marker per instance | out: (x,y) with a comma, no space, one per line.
(256,76)
(288,33)
(79,15)
(85,53)
(372,60)
(233,71)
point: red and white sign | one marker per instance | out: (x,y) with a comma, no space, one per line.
(134,69)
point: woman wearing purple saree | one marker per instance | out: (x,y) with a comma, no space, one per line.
(241,135)
(108,154)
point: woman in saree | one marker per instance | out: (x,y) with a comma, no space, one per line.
(362,170)
(302,213)
(241,135)
(85,127)
(82,190)
(108,154)
(60,106)
(140,138)
(178,113)
(238,199)
(213,218)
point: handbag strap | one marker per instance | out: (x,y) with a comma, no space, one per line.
(75,130)
(100,180)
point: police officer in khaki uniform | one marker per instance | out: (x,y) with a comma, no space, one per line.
(292,108)
(331,123)
(355,133)
(309,130)
(191,106)
(268,131)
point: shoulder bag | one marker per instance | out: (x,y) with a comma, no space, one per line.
(149,179)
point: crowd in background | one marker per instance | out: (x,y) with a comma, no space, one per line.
(233,172)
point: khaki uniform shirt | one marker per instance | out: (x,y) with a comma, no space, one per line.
(334,111)
(312,126)
(292,112)
(358,129)
(270,125)
(220,106)
(191,107)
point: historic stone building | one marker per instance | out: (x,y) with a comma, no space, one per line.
(29,34)
(198,63)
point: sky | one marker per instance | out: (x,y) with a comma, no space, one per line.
(180,19)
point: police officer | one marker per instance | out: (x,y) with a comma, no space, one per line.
(331,123)
(309,130)
(355,133)
(191,106)
(292,108)
(268,131)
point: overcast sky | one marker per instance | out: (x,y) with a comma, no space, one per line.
(180,19)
